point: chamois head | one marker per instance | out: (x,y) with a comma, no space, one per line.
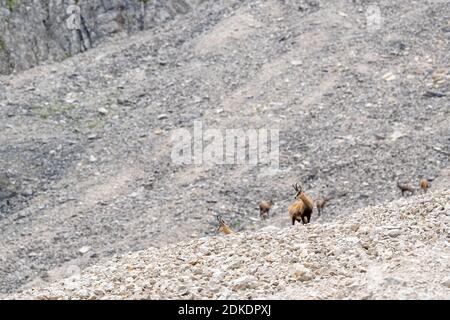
(302,208)
(298,189)
(223,227)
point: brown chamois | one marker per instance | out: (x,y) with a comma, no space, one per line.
(223,227)
(320,203)
(405,188)
(264,208)
(424,184)
(302,208)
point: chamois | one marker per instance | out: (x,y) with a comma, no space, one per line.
(223,227)
(264,208)
(320,203)
(424,185)
(302,207)
(405,188)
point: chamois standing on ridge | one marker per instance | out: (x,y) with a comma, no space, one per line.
(405,188)
(321,202)
(302,207)
(264,208)
(424,184)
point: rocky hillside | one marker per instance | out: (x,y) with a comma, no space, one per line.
(359,91)
(32,32)
(397,250)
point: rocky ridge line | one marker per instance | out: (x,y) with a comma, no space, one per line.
(395,250)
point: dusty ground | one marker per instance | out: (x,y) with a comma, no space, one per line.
(353,106)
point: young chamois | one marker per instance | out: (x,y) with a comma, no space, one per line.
(405,188)
(264,208)
(223,227)
(302,207)
(320,203)
(424,184)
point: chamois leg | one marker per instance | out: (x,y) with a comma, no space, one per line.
(306,219)
(293,221)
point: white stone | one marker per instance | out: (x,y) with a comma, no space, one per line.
(102,111)
(301,273)
(84,249)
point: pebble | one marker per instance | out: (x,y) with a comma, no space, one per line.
(301,273)
(296,62)
(102,111)
(92,136)
(84,249)
(394,233)
(72,286)
(244,282)
(27,192)
(389,76)
(84,294)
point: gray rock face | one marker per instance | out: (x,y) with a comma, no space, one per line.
(51,30)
